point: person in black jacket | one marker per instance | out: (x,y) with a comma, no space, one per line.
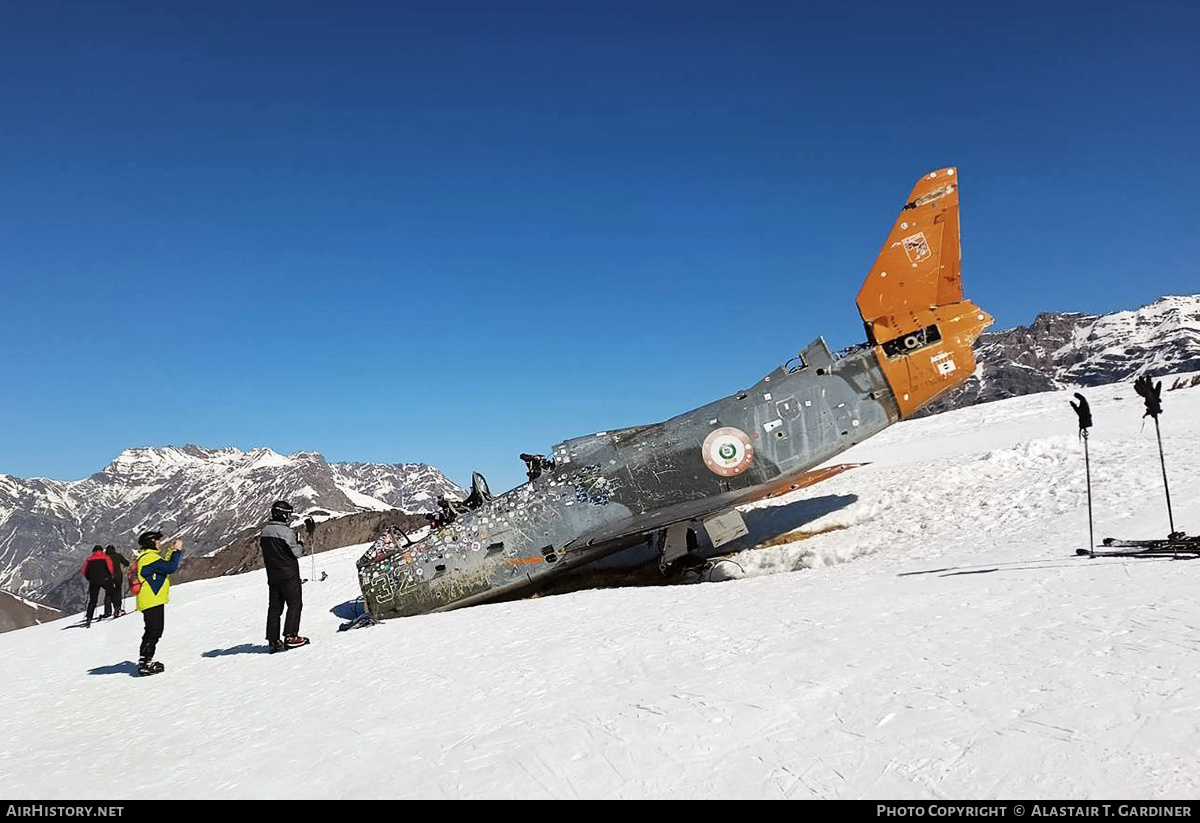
(98,571)
(113,601)
(282,551)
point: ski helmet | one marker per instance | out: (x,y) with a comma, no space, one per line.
(146,540)
(281,510)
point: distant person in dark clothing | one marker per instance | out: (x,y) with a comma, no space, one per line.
(282,551)
(115,607)
(98,570)
(153,593)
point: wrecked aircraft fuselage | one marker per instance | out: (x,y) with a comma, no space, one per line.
(661,483)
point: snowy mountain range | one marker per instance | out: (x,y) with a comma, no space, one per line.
(1069,350)
(205,496)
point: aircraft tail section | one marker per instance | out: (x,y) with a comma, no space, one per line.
(917,322)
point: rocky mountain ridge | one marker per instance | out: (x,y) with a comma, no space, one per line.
(1074,350)
(207,497)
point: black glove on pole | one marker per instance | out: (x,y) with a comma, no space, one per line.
(1085,422)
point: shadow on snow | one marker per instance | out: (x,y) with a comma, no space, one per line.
(244,648)
(127,667)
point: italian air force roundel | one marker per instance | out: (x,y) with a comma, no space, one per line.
(728,451)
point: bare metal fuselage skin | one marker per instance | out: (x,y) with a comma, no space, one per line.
(612,490)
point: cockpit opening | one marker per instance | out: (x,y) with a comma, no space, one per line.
(480,493)
(449,510)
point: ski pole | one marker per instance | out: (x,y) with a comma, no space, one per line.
(1087,466)
(1085,421)
(1163,462)
(1152,394)
(309,527)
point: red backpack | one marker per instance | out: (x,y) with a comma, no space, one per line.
(135,582)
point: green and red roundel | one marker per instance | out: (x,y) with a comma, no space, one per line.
(728,451)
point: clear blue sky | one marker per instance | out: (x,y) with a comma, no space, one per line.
(451,232)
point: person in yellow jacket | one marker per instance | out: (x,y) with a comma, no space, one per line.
(153,577)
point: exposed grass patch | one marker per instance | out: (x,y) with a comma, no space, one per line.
(794,536)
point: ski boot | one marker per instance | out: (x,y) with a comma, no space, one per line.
(148,667)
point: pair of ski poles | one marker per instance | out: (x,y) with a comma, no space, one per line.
(1152,395)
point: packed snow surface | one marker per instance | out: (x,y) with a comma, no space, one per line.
(936,638)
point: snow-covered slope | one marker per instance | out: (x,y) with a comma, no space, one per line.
(938,638)
(205,496)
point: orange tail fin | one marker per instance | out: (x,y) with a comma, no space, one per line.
(912,302)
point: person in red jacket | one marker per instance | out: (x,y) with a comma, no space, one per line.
(98,571)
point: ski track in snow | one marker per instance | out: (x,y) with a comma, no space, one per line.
(964,653)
